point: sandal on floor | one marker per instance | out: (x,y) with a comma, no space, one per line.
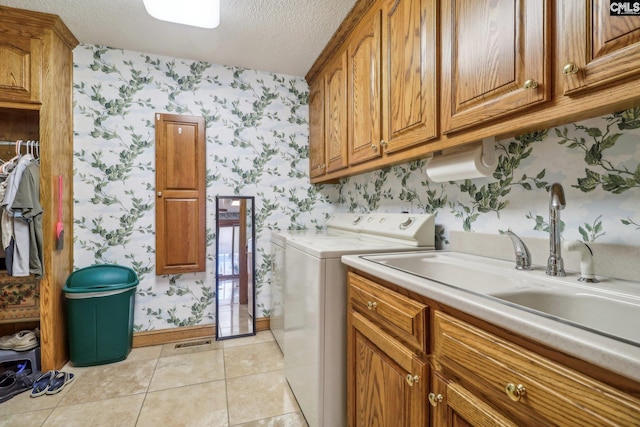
(41,384)
(59,382)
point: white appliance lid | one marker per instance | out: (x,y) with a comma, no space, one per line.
(401,228)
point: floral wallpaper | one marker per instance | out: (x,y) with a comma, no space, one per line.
(257,145)
(596,161)
(257,133)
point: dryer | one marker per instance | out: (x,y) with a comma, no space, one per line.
(315,302)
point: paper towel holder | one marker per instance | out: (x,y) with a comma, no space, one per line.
(477,160)
(488,157)
(488,151)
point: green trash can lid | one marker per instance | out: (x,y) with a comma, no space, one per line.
(100,277)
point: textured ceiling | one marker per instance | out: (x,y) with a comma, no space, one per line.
(281,36)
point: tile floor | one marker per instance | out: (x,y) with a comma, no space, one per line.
(237,382)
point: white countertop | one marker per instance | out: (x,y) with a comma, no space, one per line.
(614,355)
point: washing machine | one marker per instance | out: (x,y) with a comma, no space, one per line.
(276,317)
(315,302)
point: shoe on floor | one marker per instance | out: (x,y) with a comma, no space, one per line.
(59,382)
(42,383)
(21,341)
(12,384)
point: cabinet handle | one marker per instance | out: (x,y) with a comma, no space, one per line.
(159,193)
(515,392)
(570,68)
(372,305)
(434,399)
(412,379)
(530,84)
(374,147)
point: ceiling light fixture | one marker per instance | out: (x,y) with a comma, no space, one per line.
(197,13)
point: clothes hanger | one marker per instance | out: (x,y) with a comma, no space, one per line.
(16,157)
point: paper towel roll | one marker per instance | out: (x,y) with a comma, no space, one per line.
(465,164)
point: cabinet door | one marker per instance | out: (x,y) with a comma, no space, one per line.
(335,109)
(453,406)
(495,59)
(317,163)
(20,67)
(597,48)
(181,201)
(364,90)
(409,69)
(386,381)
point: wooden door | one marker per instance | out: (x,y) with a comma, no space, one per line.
(410,70)
(495,59)
(378,392)
(180,189)
(364,89)
(317,164)
(335,109)
(453,406)
(597,48)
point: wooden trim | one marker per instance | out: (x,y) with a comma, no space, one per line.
(41,21)
(263,324)
(166,336)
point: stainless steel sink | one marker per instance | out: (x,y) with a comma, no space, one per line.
(611,307)
(614,315)
(453,269)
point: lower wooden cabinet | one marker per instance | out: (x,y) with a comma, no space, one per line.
(455,373)
(454,406)
(522,385)
(387,382)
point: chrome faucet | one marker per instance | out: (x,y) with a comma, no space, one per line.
(523,257)
(555,265)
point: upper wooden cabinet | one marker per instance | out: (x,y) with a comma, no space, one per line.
(387,78)
(495,59)
(317,164)
(20,66)
(335,113)
(424,76)
(364,86)
(597,48)
(392,79)
(409,73)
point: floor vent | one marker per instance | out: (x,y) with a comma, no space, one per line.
(192,344)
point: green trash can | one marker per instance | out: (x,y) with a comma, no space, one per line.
(100,301)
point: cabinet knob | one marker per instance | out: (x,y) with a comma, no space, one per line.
(515,392)
(530,84)
(570,68)
(383,144)
(374,147)
(412,379)
(434,399)
(159,193)
(372,305)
